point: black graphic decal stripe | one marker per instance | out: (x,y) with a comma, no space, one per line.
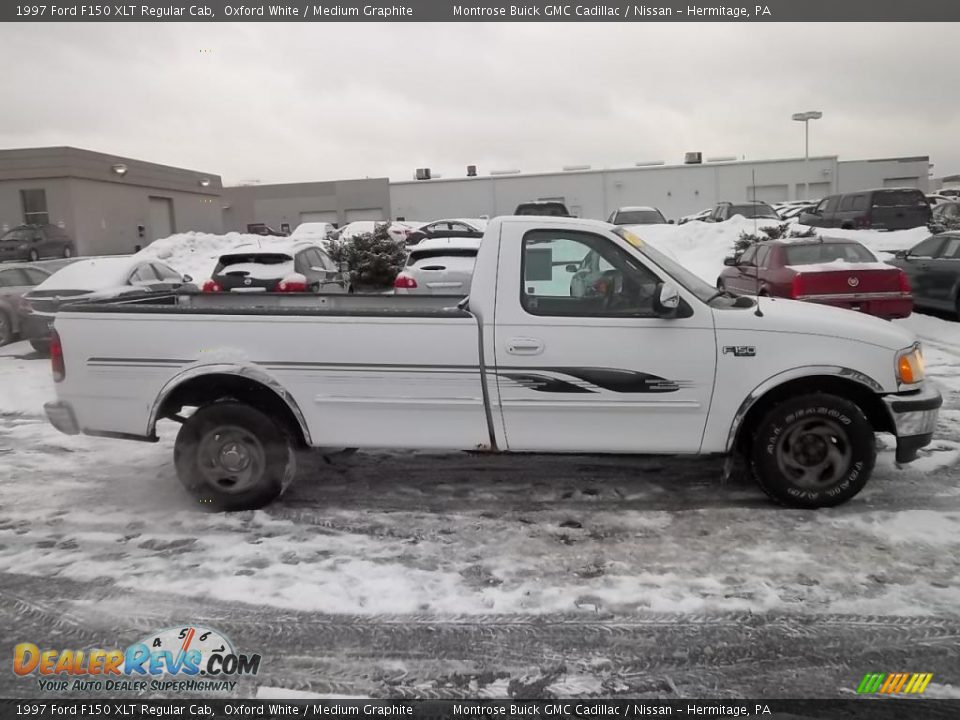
(612,379)
(544,383)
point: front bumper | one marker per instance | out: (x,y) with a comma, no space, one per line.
(36,326)
(60,414)
(914,417)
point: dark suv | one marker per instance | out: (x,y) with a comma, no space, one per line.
(750,210)
(883,209)
(32,242)
(551,208)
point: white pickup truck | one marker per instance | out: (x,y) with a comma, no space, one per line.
(576,337)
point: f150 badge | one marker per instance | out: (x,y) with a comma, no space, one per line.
(740,350)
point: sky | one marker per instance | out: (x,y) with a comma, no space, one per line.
(284,102)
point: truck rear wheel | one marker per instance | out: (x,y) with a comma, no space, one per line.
(231,456)
(814,451)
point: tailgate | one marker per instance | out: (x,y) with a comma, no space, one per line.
(444,275)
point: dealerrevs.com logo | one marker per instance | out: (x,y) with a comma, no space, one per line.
(183,659)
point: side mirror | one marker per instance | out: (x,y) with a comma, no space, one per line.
(671,222)
(666,301)
(901,254)
(571,268)
(730,261)
(187,278)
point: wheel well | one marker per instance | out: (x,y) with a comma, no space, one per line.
(866,399)
(217,387)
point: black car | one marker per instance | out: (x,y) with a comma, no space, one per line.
(284,267)
(445,229)
(883,209)
(750,210)
(550,208)
(32,242)
(15,280)
(933,267)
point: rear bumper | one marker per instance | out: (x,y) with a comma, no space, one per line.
(914,417)
(60,414)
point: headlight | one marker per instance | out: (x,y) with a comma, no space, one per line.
(910,365)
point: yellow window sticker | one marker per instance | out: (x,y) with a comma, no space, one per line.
(632,239)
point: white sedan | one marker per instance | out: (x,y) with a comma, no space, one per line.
(439,266)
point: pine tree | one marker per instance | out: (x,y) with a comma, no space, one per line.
(372,259)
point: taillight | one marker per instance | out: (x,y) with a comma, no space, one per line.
(291,286)
(211,286)
(56,357)
(797,286)
(905,283)
(404,282)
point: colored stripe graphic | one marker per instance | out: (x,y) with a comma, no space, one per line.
(894,683)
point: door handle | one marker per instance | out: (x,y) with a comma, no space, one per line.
(524,346)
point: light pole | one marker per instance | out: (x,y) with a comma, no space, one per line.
(805,118)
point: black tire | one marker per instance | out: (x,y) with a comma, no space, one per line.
(41,346)
(33,256)
(813,451)
(231,456)
(6,329)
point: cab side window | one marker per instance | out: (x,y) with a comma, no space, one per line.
(568,273)
(928,248)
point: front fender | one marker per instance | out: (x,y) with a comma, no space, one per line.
(794,374)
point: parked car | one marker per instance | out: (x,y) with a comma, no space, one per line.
(945,216)
(100,278)
(458,227)
(313,231)
(439,266)
(299,266)
(548,208)
(751,210)
(637,216)
(797,391)
(15,280)
(884,209)
(935,199)
(265,230)
(701,216)
(842,273)
(398,230)
(933,266)
(793,212)
(32,242)
(952,193)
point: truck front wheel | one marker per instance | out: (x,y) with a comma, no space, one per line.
(814,451)
(232,456)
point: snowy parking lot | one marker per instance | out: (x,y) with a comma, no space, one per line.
(393,573)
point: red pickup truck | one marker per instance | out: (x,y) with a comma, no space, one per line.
(843,273)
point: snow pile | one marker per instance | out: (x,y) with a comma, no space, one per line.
(698,246)
(196,253)
(701,247)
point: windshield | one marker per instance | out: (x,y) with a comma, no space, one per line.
(694,283)
(828,252)
(753,210)
(639,217)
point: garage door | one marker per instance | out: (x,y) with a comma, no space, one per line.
(161,217)
(356,214)
(910,182)
(768,193)
(815,192)
(329,216)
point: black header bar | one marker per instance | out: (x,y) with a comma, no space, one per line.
(854,11)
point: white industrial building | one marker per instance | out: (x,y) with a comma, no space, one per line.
(676,189)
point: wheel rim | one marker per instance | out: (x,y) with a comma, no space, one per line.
(4,329)
(231,459)
(33,255)
(814,453)
(67,252)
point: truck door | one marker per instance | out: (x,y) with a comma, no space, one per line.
(585,364)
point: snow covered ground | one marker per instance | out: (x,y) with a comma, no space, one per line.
(416,574)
